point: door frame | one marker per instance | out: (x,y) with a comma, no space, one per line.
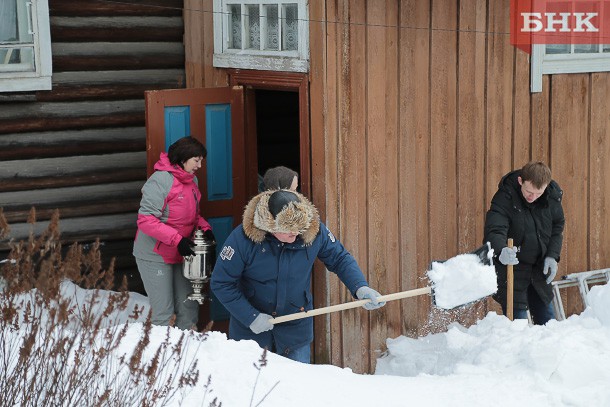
(271,80)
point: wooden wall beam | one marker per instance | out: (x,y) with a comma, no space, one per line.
(62,93)
(111,175)
(102,207)
(56,197)
(131,77)
(69,63)
(116,8)
(70,123)
(116,29)
(86,229)
(76,142)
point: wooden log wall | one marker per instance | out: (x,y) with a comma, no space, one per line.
(426,105)
(80,147)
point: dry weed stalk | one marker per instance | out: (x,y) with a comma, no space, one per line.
(58,349)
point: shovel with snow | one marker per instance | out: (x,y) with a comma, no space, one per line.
(456,282)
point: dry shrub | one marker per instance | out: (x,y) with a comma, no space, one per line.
(55,351)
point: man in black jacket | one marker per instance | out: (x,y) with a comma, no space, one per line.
(527,208)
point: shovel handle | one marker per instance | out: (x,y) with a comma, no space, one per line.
(349,305)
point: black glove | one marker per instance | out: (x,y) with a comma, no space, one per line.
(209,235)
(185,247)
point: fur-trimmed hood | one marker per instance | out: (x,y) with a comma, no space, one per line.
(299,217)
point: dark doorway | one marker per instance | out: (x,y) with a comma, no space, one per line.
(277,129)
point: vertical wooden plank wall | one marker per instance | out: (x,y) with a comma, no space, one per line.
(426,107)
(382,168)
(325,202)
(540,127)
(199,46)
(499,90)
(569,152)
(414,148)
(599,169)
(443,114)
(464,117)
(442,166)
(337,28)
(353,169)
(471,125)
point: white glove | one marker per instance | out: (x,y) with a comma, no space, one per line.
(261,323)
(365,292)
(550,269)
(508,256)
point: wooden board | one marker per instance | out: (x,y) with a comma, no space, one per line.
(353,172)
(323,65)
(414,147)
(569,152)
(599,169)
(470,142)
(382,170)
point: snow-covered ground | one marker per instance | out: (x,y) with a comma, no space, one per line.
(493,363)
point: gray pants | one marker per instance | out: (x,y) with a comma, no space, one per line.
(167,291)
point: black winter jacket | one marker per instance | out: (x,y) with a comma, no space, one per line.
(536,228)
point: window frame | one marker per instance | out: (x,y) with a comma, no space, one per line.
(41,78)
(267,60)
(543,63)
(549,64)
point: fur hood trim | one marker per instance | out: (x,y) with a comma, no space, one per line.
(301,217)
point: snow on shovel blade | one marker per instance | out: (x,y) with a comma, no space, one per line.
(455,282)
(463,279)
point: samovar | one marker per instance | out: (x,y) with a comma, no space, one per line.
(198,268)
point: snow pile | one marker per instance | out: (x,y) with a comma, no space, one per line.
(567,359)
(599,305)
(495,362)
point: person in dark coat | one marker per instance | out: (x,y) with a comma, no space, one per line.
(527,208)
(264,270)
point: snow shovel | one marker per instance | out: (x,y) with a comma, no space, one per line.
(441,287)
(510,278)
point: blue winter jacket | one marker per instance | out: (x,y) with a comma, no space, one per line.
(257,273)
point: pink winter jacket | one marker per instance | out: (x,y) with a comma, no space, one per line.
(169,210)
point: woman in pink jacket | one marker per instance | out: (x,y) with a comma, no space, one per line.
(168,215)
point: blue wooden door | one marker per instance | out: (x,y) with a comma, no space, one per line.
(215,117)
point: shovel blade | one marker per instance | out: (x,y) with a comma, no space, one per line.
(464,279)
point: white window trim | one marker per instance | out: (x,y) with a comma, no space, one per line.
(543,63)
(41,78)
(291,61)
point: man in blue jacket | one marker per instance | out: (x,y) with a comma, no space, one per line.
(264,271)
